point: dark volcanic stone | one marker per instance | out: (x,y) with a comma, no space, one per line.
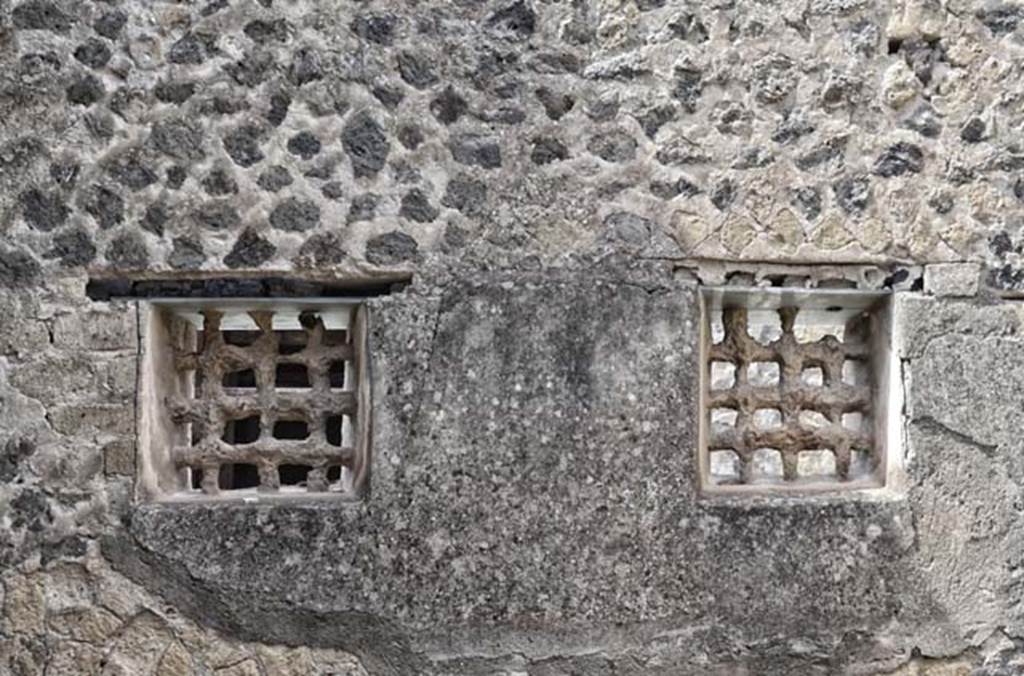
(324,248)
(65,174)
(174,92)
(942,203)
(305,144)
(213,7)
(921,56)
(474,149)
(40,15)
(178,138)
(155,217)
(86,90)
(217,215)
(613,146)
(305,67)
(924,121)
(125,100)
(792,129)
(1002,18)
(250,250)
(93,53)
(14,452)
(274,178)
(73,248)
(17,267)
(516,21)
(547,150)
(127,251)
(267,31)
(323,170)
(100,125)
(688,88)
(363,207)
(465,194)
(30,509)
(187,50)
(852,193)
(43,211)
(20,152)
(898,159)
(109,24)
(655,118)
(378,28)
(391,248)
(252,69)
(826,152)
(279,104)
(416,69)
(667,190)
(410,136)
(367,147)
(106,206)
(689,28)
(175,177)
(223,105)
(416,207)
(295,215)
(242,145)
(555,105)
(773,78)
(186,254)
(130,171)
(1000,244)
(448,107)
(333,190)
(808,200)
(389,96)
(220,182)
(973,131)
(628,227)
(724,194)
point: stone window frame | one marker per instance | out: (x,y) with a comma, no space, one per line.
(885,400)
(167,382)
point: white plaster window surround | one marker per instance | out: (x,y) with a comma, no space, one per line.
(253,399)
(797,390)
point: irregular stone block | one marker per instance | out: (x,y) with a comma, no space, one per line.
(113,330)
(952,279)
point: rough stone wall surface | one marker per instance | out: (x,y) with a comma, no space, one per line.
(551,173)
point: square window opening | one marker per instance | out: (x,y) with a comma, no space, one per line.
(291,429)
(212,425)
(243,379)
(795,389)
(293,475)
(242,430)
(238,476)
(291,342)
(291,376)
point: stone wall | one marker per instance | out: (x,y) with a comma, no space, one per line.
(556,179)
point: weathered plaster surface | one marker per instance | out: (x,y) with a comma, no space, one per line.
(551,173)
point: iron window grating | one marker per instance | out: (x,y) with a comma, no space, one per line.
(253,398)
(794,389)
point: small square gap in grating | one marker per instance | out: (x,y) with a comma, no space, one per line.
(254,398)
(794,389)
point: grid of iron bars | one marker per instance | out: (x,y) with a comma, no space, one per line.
(829,400)
(271,408)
